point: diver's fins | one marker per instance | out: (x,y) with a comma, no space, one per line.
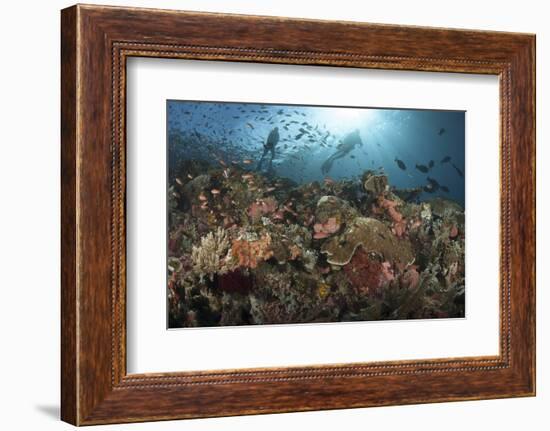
(326,166)
(260,163)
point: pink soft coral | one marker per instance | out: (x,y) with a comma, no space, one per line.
(399,226)
(454,232)
(389,206)
(324,230)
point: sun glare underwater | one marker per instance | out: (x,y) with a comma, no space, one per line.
(416,137)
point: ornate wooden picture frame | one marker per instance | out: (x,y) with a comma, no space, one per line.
(96,42)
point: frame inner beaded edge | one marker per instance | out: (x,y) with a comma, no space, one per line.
(119,378)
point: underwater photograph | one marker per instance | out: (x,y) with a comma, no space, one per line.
(288,214)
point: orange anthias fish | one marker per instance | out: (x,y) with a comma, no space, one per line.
(247,162)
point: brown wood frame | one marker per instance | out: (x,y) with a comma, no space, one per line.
(95,43)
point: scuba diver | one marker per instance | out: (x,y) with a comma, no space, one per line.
(346,145)
(269,146)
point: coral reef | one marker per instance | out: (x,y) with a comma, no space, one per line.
(244,248)
(374,236)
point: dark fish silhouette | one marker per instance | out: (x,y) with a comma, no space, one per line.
(445,159)
(431,164)
(445,189)
(458,171)
(400,163)
(428,188)
(433,184)
(441,131)
(422,168)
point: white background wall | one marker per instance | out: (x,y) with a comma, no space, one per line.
(29,214)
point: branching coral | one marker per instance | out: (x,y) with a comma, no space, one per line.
(210,257)
(286,296)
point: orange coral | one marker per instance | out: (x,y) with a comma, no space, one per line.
(295,252)
(249,253)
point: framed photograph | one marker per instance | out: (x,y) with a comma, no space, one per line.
(285,220)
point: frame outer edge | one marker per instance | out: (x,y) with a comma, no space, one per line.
(87,396)
(533,55)
(523,216)
(532,199)
(69,196)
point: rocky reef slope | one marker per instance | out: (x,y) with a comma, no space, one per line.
(246,249)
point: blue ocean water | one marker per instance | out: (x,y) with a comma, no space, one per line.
(414,148)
